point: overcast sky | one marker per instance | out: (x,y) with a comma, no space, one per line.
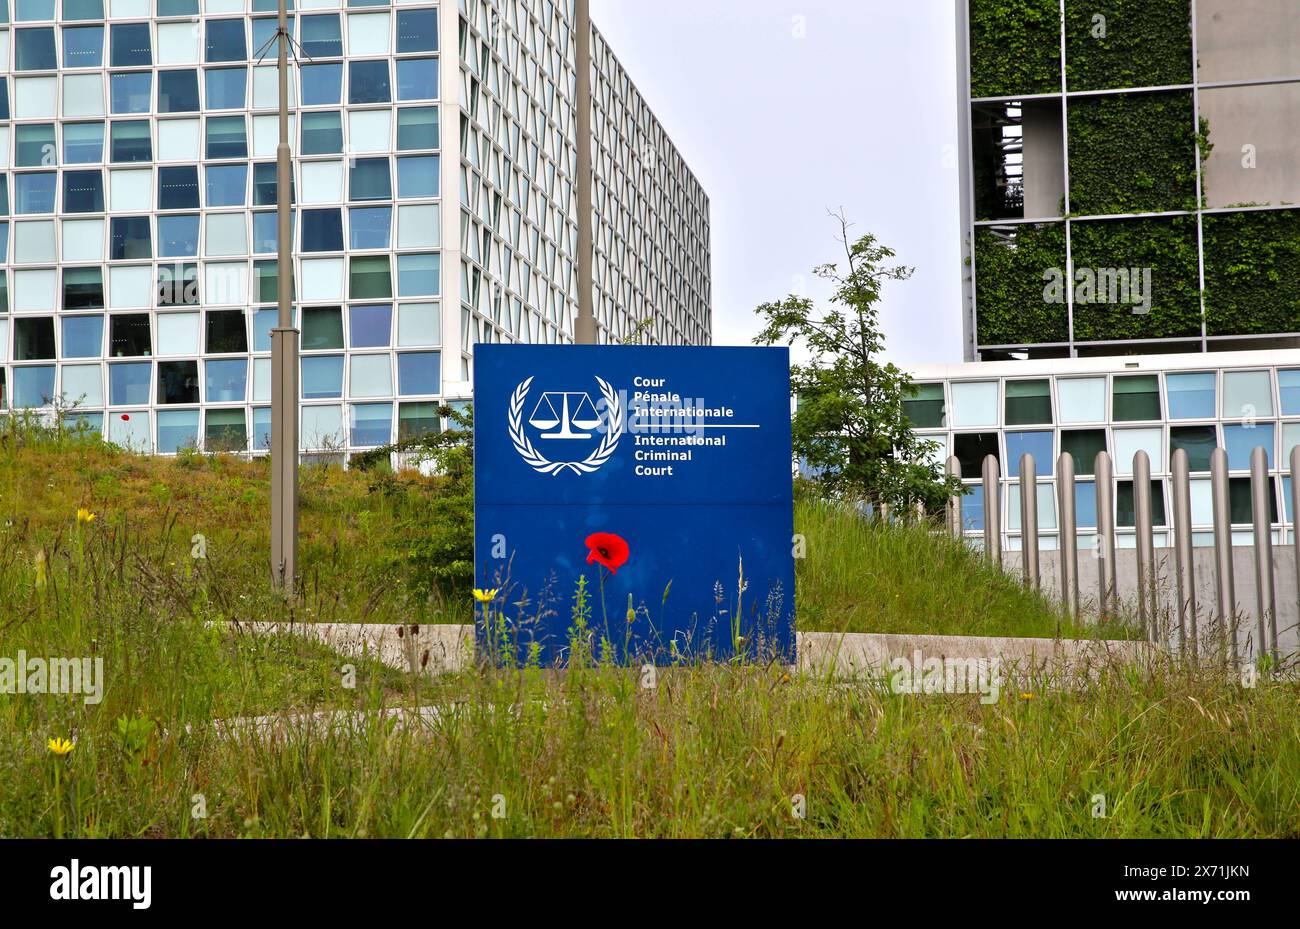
(787,108)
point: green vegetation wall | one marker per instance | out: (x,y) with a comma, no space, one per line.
(1165,245)
(1252,272)
(1015,47)
(1010,309)
(1127,43)
(1132,153)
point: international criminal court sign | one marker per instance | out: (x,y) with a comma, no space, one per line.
(636,498)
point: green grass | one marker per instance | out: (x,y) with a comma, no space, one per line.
(709,751)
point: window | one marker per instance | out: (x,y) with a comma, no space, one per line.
(1085,504)
(1136,397)
(370,227)
(177,429)
(368,82)
(178,333)
(178,382)
(225,40)
(129,45)
(1044,506)
(417,79)
(370,326)
(266,232)
(83,9)
(1038,444)
(83,143)
(33,386)
(128,336)
(1241,440)
(971,450)
(83,192)
(178,7)
(417,419)
(225,430)
(34,244)
(322,328)
(226,332)
(129,238)
(322,133)
(417,127)
(1247,394)
(226,185)
(321,37)
(322,377)
(82,385)
(418,274)
(419,324)
(178,91)
(368,179)
(1083,445)
(418,373)
(178,188)
(83,240)
(975,403)
(418,225)
(225,381)
(130,141)
(1028,402)
(178,284)
(1191,396)
(372,423)
(263,322)
(131,92)
(417,176)
(1288,384)
(1198,442)
(226,88)
(1082,399)
(226,137)
(178,236)
(322,84)
(369,277)
(34,146)
(322,426)
(33,338)
(227,234)
(417,31)
(264,183)
(178,140)
(264,28)
(82,336)
(322,231)
(34,50)
(34,193)
(128,384)
(1128,442)
(83,46)
(1126,505)
(83,289)
(972,508)
(1242,507)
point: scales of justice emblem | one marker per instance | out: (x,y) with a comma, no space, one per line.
(577,418)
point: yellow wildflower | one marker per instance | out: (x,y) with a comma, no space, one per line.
(1026,696)
(60,747)
(84,516)
(485,596)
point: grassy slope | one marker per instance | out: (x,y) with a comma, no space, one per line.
(710,751)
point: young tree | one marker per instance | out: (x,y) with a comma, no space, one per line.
(849,424)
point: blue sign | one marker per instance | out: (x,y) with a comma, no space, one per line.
(652,484)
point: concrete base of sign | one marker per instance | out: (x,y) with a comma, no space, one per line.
(842,655)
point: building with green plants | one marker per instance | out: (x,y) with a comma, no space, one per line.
(1131,176)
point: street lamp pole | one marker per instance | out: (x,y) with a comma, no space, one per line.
(284,352)
(585,330)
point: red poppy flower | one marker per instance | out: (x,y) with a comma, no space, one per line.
(607,549)
(126,418)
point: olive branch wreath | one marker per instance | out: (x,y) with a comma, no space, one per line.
(538,461)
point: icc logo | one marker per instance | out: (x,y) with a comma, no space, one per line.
(566,418)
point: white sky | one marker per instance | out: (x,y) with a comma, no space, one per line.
(785,109)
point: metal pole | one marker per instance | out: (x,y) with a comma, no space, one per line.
(1295,512)
(1069,542)
(1260,500)
(1105,532)
(1184,572)
(1029,520)
(992,513)
(954,502)
(1225,588)
(1146,549)
(284,352)
(585,331)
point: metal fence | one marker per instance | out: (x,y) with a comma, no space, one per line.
(1167,608)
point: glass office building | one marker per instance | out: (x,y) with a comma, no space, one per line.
(434,152)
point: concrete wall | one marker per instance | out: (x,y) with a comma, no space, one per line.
(1284,583)
(1266,117)
(1247,39)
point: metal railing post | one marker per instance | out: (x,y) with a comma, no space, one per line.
(1029,520)
(992,512)
(1069,536)
(1146,546)
(1225,587)
(1184,571)
(1105,533)
(1261,511)
(954,502)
